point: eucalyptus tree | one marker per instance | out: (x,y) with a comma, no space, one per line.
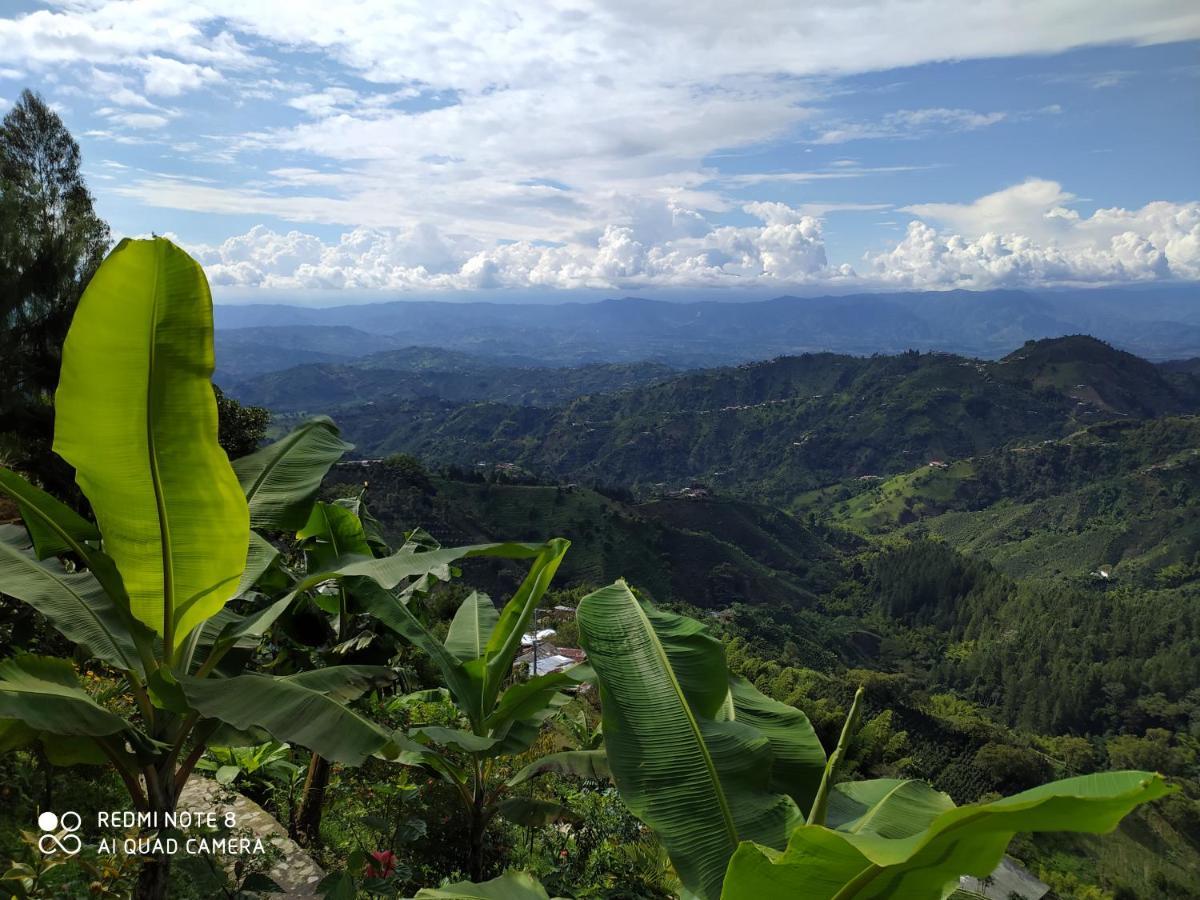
(51,241)
(144,589)
(741,794)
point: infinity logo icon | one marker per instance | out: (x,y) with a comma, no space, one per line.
(69,842)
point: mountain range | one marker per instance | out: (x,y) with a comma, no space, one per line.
(767,431)
(1158,323)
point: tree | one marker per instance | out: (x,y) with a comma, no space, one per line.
(240,429)
(51,242)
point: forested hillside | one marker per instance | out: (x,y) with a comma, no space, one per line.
(1007,551)
(771,431)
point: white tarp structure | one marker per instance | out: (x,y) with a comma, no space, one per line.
(1009,882)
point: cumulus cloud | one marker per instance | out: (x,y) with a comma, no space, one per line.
(613,100)
(1028,235)
(169,77)
(787,247)
(1021,236)
(572,143)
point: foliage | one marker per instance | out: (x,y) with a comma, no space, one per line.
(51,243)
(671,717)
(250,766)
(240,428)
(475,659)
(146,587)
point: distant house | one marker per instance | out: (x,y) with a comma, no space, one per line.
(540,636)
(548,659)
(938,464)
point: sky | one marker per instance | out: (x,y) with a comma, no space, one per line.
(380,150)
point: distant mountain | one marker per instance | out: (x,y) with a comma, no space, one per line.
(1157,323)
(704,552)
(416,373)
(771,431)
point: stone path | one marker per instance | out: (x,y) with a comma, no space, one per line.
(294,870)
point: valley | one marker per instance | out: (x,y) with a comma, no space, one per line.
(992,544)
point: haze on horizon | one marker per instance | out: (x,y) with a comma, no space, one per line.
(576,150)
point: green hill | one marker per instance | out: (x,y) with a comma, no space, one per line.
(1120,497)
(702,552)
(772,431)
(419,373)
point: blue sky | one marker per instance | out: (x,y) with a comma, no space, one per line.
(382,150)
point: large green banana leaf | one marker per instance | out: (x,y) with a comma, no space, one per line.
(799,759)
(308,710)
(580,763)
(702,783)
(471,627)
(75,603)
(281,479)
(53,526)
(136,415)
(888,807)
(331,535)
(44,694)
(864,862)
(60,749)
(56,529)
(495,666)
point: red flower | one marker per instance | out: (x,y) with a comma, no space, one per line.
(384,865)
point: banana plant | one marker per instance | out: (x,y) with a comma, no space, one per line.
(475,661)
(740,793)
(334,532)
(144,589)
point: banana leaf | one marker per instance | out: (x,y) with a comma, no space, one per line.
(509,886)
(75,603)
(864,860)
(136,416)
(44,694)
(703,784)
(471,627)
(281,479)
(308,710)
(580,763)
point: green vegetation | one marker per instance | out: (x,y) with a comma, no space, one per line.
(772,431)
(967,578)
(50,244)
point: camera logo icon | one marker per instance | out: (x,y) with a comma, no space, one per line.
(58,833)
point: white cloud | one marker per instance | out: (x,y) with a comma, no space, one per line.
(1028,235)
(137,119)
(569,142)
(1021,236)
(786,248)
(911,123)
(169,77)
